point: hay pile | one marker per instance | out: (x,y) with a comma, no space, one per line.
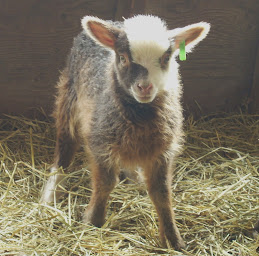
(216,195)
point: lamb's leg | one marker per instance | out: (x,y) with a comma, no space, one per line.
(158,179)
(103,181)
(66,144)
(64,152)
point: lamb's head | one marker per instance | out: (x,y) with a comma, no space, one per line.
(145,51)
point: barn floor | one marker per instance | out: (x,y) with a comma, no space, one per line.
(216,188)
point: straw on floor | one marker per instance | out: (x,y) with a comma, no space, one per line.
(215,194)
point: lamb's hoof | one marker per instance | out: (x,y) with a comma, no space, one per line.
(179,245)
(52,190)
(90,217)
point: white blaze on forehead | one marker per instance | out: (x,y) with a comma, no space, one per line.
(148,39)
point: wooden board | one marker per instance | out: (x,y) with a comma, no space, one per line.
(254,94)
(129,8)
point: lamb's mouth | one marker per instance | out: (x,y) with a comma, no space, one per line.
(144,98)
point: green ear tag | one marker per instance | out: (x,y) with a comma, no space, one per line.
(182,54)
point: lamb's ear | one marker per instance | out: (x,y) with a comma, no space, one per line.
(101,31)
(191,34)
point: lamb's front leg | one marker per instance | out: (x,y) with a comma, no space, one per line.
(158,179)
(103,181)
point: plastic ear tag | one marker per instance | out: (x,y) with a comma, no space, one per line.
(182,55)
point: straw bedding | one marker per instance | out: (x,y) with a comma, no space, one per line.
(215,189)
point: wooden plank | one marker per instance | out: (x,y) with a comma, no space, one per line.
(123,8)
(218,75)
(36,36)
(129,8)
(138,7)
(254,95)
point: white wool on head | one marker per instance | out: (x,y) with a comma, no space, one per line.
(148,38)
(148,41)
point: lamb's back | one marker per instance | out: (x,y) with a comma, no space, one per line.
(87,64)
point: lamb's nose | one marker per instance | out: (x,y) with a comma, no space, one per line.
(145,89)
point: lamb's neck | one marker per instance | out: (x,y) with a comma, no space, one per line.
(133,110)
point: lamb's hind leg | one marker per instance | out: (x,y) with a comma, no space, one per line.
(158,180)
(66,143)
(64,152)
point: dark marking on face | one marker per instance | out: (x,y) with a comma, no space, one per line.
(129,71)
(164,60)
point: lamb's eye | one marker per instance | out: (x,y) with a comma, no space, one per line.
(165,59)
(123,59)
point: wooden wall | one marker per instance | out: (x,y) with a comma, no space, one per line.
(36,35)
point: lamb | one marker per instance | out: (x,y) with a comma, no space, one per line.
(119,96)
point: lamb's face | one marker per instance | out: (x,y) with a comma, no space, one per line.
(145,51)
(142,66)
